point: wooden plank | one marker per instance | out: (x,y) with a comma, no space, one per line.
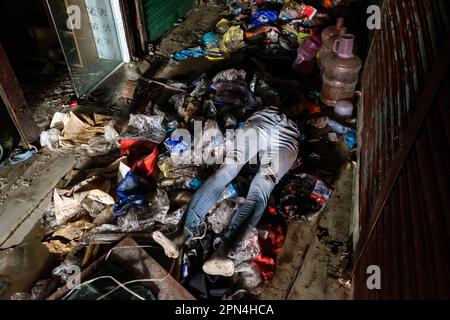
(15,102)
(143,266)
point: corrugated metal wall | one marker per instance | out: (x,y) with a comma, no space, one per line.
(404,165)
(160,15)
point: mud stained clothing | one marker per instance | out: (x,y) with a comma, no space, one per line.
(268,134)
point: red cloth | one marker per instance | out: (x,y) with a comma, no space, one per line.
(142,156)
(270,248)
(145,166)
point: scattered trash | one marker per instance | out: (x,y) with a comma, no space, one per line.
(302,194)
(155,170)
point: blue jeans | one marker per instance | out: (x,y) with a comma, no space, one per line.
(268,134)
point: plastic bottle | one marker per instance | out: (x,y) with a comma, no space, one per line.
(308,49)
(332,31)
(230,191)
(341,72)
(327,47)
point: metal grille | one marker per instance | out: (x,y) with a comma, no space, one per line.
(161,15)
(404,173)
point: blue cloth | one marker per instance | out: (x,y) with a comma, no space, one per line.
(193,52)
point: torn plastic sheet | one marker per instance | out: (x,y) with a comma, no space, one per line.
(220,217)
(230,75)
(143,127)
(50,139)
(248,249)
(169,221)
(250,275)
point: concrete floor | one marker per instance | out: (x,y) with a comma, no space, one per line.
(314,262)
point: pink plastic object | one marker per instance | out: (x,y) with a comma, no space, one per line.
(344,108)
(340,72)
(308,49)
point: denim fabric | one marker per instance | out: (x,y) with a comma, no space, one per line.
(275,139)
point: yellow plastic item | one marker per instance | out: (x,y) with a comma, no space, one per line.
(232,40)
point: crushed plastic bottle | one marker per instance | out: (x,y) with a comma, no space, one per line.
(230,191)
(306,53)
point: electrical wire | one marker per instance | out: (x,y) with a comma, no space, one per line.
(120,285)
(139,280)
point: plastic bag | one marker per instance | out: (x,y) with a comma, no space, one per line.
(250,275)
(234,93)
(248,249)
(142,127)
(111,135)
(233,39)
(210,40)
(220,217)
(295,10)
(348,133)
(170,220)
(131,191)
(201,86)
(223,26)
(50,138)
(160,203)
(230,75)
(210,146)
(173,167)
